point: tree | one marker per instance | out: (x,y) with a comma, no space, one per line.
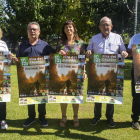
(21,12)
(1,12)
(53,13)
(117,10)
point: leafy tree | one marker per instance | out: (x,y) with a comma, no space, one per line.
(86,15)
(1,12)
(21,12)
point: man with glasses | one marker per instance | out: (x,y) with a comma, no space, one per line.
(105,42)
(33,46)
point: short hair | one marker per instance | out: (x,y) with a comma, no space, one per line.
(64,36)
(35,24)
(0,33)
(105,17)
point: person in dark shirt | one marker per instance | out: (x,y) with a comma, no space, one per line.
(33,46)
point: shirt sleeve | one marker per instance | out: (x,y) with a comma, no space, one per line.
(48,51)
(122,46)
(90,45)
(6,48)
(130,43)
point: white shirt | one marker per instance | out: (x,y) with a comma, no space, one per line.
(112,44)
(3,46)
(134,41)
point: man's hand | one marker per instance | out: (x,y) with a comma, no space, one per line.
(124,54)
(61,52)
(88,53)
(15,60)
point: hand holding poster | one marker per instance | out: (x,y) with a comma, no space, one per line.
(33,79)
(66,78)
(105,78)
(5,77)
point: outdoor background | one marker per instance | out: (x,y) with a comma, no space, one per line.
(51,14)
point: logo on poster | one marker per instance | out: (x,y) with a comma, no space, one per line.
(97,58)
(24,61)
(58,58)
(138,48)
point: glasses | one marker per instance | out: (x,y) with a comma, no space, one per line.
(34,29)
(105,25)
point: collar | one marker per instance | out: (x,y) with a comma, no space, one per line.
(28,44)
(107,36)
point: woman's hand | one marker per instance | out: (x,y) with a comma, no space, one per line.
(85,76)
(61,52)
(11,56)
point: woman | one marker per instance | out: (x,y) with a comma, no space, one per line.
(3,48)
(70,44)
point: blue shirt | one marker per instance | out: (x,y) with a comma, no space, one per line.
(41,48)
(134,41)
(112,44)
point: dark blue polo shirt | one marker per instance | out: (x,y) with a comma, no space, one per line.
(41,48)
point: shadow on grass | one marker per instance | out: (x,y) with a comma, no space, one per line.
(127,71)
(66,131)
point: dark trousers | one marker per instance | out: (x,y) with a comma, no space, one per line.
(41,111)
(109,110)
(135,101)
(2,111)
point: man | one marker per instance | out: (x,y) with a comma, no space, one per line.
(136,96)
(34,47)
(105,42)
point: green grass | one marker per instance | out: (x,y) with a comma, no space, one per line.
(16,115)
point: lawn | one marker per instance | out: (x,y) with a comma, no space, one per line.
(16,115)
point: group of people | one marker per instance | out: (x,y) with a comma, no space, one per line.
(105,42)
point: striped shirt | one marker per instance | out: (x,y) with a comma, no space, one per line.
(3,46)
(112,44)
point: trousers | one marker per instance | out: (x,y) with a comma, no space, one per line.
(109,110)
(41,111)
(135,100)
(2,111)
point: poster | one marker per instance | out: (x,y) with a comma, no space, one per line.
(5,77)
(105,78)
(33,79)
(66,78)
(136,62)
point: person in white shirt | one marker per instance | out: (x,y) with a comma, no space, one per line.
(3,48)
(105,42)
(136,96)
